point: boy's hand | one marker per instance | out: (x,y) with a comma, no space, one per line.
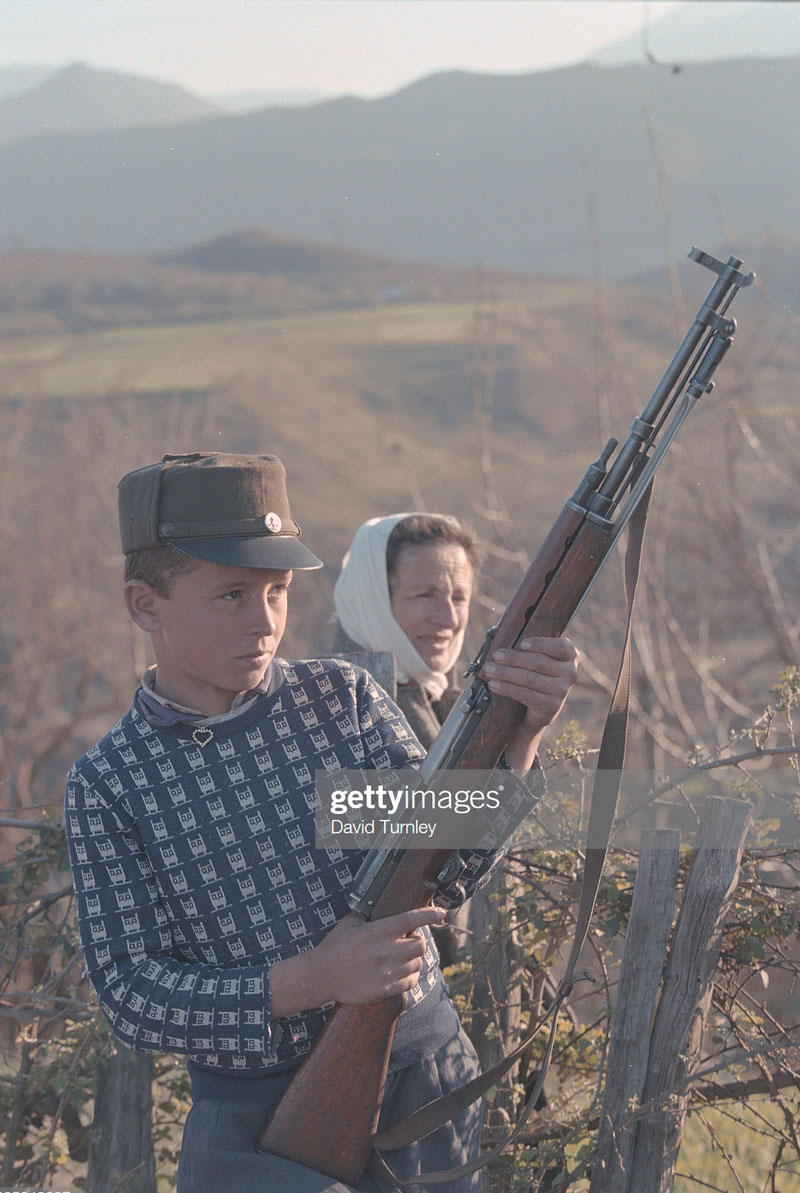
(359,961)
(367,960)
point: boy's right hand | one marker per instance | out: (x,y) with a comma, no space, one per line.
(367,960)
(359,961)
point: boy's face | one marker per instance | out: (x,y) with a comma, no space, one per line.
(216,632)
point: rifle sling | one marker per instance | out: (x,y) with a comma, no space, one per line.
(605,792)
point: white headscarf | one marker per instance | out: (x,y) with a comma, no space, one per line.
(364,609)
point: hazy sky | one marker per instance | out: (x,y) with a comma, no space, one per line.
(366,47)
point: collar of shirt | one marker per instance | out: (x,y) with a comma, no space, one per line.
(159,711)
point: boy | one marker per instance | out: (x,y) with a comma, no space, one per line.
(209,924)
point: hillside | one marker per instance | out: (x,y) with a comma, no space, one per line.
(80,99)
(249,274)
(517,172)
(259,252)
(343,274)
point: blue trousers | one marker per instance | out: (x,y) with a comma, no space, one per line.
(219,1141)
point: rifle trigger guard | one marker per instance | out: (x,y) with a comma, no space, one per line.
(450,870)
(450,874)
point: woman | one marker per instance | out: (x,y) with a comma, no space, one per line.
(402,605)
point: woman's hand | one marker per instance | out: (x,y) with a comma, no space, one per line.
(539,675)
(359,961)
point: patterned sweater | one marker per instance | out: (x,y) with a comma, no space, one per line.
(194,867)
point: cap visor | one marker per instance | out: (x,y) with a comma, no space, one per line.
(282,553)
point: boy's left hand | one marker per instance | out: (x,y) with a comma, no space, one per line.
(539,675)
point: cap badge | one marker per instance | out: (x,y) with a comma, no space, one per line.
(272,523)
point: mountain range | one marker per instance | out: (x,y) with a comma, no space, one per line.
(557,171)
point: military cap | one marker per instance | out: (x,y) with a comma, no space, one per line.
(229,509)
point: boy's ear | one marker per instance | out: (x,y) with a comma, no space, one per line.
(141,600)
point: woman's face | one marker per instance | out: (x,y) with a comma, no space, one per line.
(430,591)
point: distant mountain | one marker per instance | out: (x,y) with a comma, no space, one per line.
(80,99)
(247,275)
(523,172)
(335,275)
(259,252)
(702,31)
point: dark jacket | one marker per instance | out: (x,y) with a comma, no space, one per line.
(424,715)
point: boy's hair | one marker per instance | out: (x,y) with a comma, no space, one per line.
(158,566)
(417,530)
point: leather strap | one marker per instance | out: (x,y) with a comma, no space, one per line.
(605,793)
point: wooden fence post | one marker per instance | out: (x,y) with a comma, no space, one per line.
(121,1158)
(686,996)
(639,979)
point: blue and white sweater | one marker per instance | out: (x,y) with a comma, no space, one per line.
(195,871)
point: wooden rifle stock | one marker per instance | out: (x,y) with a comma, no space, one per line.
(338,1086)
(327,1117)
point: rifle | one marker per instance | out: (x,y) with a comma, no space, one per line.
(328,1117)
